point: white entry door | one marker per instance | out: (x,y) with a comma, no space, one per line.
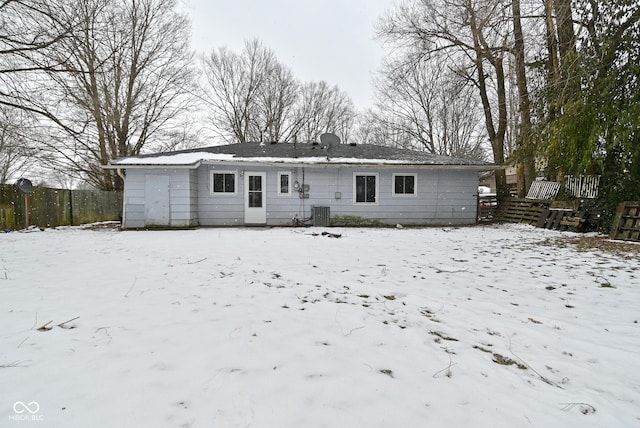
(156,200)
(255,198)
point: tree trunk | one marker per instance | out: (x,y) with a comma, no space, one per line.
(553,67)
(496,135)
(566,48)
(524,105)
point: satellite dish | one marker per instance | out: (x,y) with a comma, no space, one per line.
(24,185)
(329,139)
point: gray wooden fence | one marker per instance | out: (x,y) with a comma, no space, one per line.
(46,207)
(582,186)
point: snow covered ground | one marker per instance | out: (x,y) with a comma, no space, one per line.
(496,326)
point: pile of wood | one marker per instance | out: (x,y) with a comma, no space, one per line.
(626,224)
(562,219)
(541,213)
(521,210)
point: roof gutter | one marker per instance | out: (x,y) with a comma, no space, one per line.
(154,166)
(488,167)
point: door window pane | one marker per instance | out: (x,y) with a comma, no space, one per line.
(255,183)
(255,191)
(255,199)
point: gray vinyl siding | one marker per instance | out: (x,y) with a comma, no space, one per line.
(134,199)
(182,203)
(193,197)
(443,196)
(219,209)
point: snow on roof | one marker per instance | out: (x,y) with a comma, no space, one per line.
(289,153)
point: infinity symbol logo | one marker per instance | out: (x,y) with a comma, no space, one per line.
(19,407)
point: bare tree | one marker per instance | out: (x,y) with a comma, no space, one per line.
(120,80)
(323,108)
(373,127)
(406,97)
(250,95)
(524,104)
(29,29)
(254,97)
(276,105)
(430,106)
(15,151)
(227,94)
(475,30)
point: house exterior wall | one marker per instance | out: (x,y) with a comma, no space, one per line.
(193,197)
(443,196)
(182,196)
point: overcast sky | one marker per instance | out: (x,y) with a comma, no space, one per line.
(329,40)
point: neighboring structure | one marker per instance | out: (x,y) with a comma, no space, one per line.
(488,179)
(289,183)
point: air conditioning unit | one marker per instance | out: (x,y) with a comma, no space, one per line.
(321,216)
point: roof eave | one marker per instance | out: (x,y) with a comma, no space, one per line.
(193,165)
(297,163)
(301,163)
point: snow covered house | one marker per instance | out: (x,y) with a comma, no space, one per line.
(293,183)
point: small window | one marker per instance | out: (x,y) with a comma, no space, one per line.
(365,188)
(404,184)
(223,182)
(284,183)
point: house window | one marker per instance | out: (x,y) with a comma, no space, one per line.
(284,183)
(365,188)
(404,184)
(223,182)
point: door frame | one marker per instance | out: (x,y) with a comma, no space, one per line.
(255,215)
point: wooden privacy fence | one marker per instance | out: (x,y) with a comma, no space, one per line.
(56,207)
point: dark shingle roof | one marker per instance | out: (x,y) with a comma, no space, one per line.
(308,153)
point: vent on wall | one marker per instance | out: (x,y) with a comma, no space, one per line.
(321,216)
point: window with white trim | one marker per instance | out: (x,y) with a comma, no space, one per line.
(404,184)
(284,183)
(224,182)
(365,188)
